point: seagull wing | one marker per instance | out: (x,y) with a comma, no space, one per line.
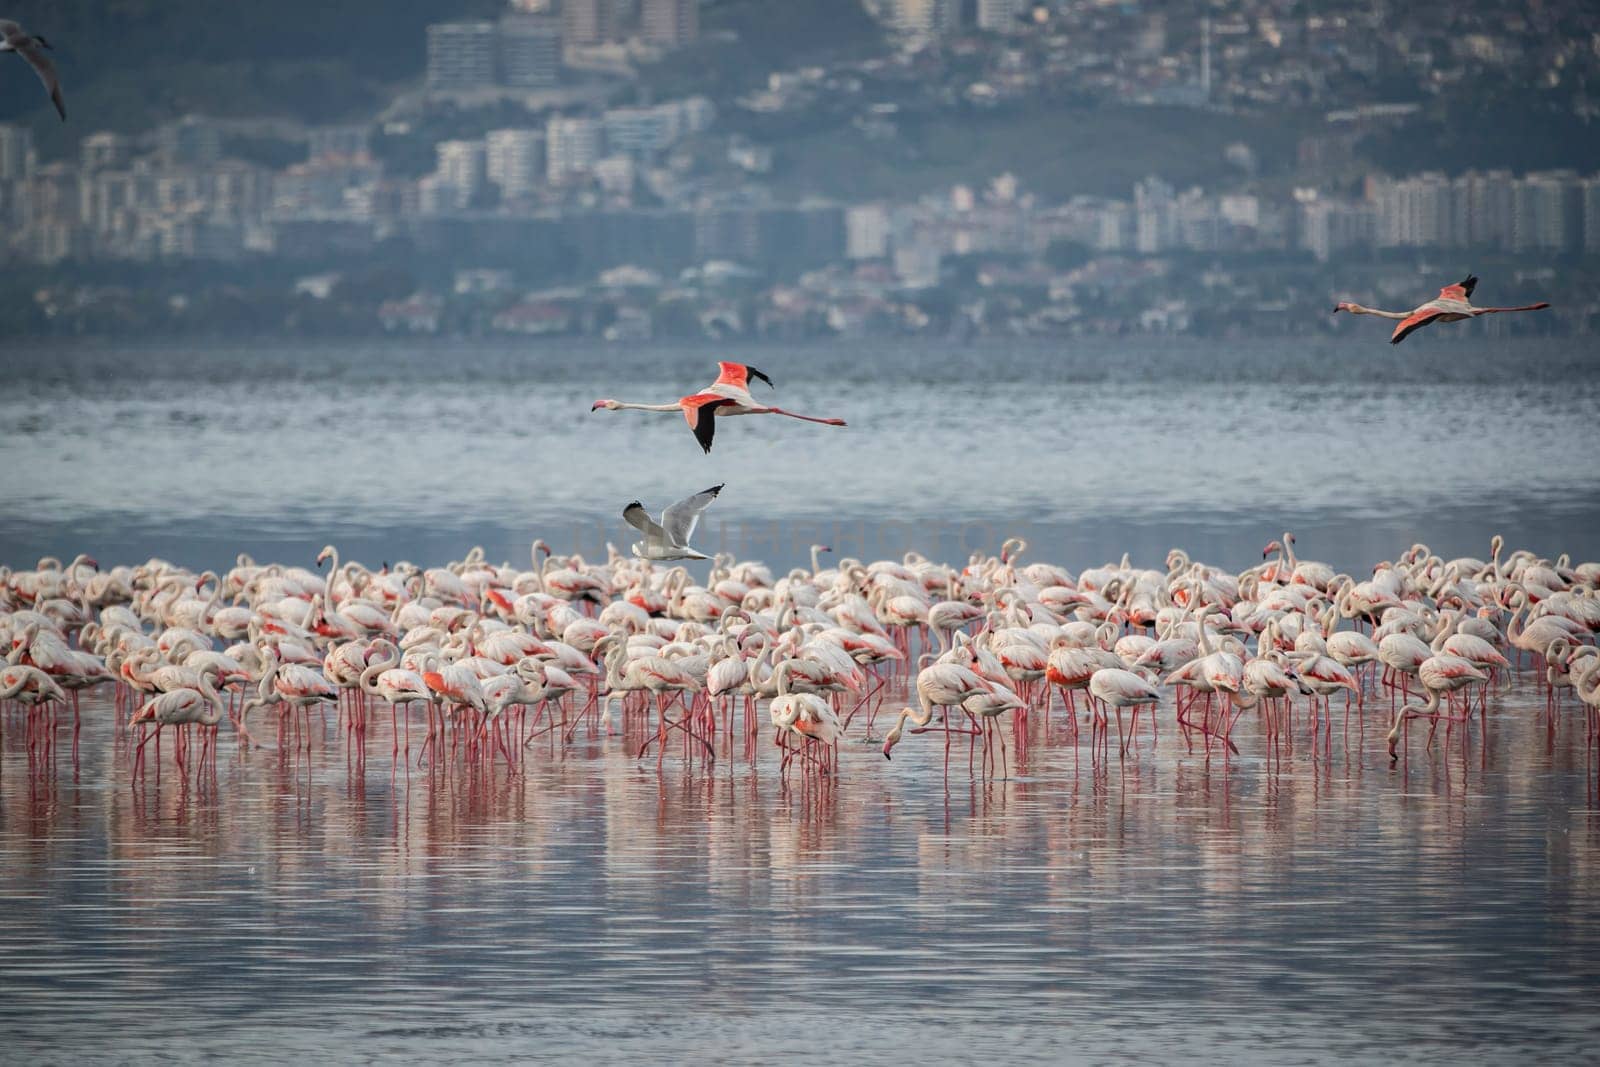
(47,73)
(681,518)
(9,29)
(636,516)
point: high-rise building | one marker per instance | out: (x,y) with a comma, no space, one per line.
(641,132)
(461,164)
(1329,226)
(103,151)
(352,141)
(461,55)
(191,141)
(670,23)
(1002,16)
(698,113)
(530,51)
(925,19)
(1415,212)
(16,153)
(1591,214)
(515,161)
(572,147)
(866,232)
(588,22)
(1548,212)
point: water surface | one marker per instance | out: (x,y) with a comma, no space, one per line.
(1319,907)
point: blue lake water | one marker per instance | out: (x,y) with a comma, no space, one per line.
(1162,906)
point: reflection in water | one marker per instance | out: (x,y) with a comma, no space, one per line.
(1311,906)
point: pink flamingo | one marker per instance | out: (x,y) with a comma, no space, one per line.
(728,395)
(1453,304)
(1439,674)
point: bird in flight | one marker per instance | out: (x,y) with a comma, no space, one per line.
(669,538)
(13,38)
(1453,304)
(728,395)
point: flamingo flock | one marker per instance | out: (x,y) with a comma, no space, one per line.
(477,664)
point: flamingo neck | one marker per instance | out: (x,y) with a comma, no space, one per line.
(621,406)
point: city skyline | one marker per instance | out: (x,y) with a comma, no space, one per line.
(540,148)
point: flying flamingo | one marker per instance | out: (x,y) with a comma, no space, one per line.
(1453,304)
(728,395)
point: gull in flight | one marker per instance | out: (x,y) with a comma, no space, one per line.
(669,538)
(31,48)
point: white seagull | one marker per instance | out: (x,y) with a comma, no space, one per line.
(31,48)
(669,538)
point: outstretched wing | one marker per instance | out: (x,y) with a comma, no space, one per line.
(681,518)
(9,29)
(738,375)
(636,516)
(1462,290)
(47,73)
(1416,321)
(700,411)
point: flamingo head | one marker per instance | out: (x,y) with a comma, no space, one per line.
(1341,306)
(324,555)
(609,405)
(1272,546)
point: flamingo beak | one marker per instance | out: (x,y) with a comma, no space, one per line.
(598,404)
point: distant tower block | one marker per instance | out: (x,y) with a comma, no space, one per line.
(461,55)
(670,23)
(590,22)
(530,51)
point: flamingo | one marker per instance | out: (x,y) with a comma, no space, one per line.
(1439,674)
(728,395)
(396,685)
(1124,689)
(808,717)
(177,707)
(1453,304)
(944,685)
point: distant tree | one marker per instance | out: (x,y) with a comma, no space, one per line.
(374,285)
(1065,255)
